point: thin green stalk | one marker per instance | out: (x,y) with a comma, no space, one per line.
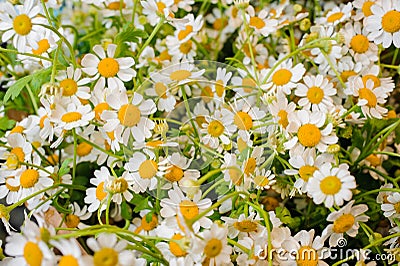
(153,33)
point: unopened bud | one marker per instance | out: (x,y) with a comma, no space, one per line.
(334,148)
(305,24)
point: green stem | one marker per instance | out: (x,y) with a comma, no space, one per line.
(153,33)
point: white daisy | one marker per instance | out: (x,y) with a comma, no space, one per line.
(95,196)
(71,115)
(187,27)
(310,130)
(363,8)
(369,97)
(384,23)
(261,23)
(391,207)
(120,188)
(315,93)
(154,10)
(22,23)
(213,246)
(218,127)
(346,221)
(337,15)
(71,83)
(161,88)
(104,67)
(70,252)
(129,117)
(281,108)
(331,185)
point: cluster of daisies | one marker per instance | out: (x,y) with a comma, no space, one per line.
(199,133)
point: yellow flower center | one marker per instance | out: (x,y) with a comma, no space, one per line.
(213,248)
(215,128)
(283,118)
(219,88)
(335,17)
(309,135)
(32,254)
(174,174)
(183,33)
(99,109)
(307,171)
(375,79)
(345,75)
(148,169)
(160,7)
(17,129)
(257,22)
(68,260)
(366,8)
(83,149)
(19,153)
(219,23)
(71,117)
(9,187)
(236,176)
(343,223)
(180,75)
(261,181)
(41,122)
(108,67)
(69,86)
(116,5)
(281,77)
(175,248)
(186,47)
(374,160)
(391,21)
(161,89)
(315,95)
(148,226)
(243,120)
(105,257)
(100,193)
(22,24)
(397,207)
(359,43)
(189,209)
(129,115)
(250,166)
(29,178)
(246,226)
(43,47)
(248,85)
(307,256)
(72,221)
(368,95)
(118,185)
(330,185)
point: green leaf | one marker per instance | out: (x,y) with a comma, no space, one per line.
(64,169)
(126,211)
(6,123)
(40,79)
(128,34)
(16,88)
(140,202)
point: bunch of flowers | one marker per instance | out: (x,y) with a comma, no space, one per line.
(211,132)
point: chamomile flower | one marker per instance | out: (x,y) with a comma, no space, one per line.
(73,219)
(154,10)
(177,209)
(120,187)
(304,249)
(360,47)
(331,185)
(182,73)
(145,170)
(285,77)
(96,195)
(305,165)
(21,151)
(145,225)
(103,67)
(316,93)
(383,24)
(161,89)
(177,163)
(346,221)
(247,118)
(71,253)
(71,83)
(181,50)
(391,208)
(188,27)
(363,8)
(71,115)
(369,98)
(281,108)
(311,131)
(129,117)
(107,247)
(261,23)
(219,88)
(21,22)
(213,247)
(337,15)
(244,225)
(263,179)
(218,127)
